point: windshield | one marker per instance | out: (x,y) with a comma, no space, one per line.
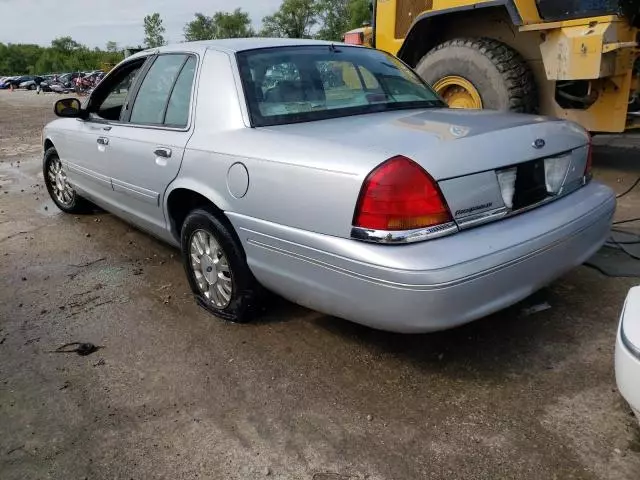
(300,84)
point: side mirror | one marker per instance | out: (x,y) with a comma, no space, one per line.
(68,108)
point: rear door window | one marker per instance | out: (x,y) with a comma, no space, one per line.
(153,98)
(180,100)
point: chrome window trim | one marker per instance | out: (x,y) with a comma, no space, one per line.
(420,235)
(403,236)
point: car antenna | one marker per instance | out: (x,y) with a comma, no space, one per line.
(333,48)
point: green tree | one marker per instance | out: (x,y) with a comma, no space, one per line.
(65,44)
(340,16)
(201,28)
(112,46)
(236,24)
(19,59)
(154,31)
(64,55)
(360,12)
(294,19)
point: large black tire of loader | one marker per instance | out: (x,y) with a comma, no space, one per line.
(501,76)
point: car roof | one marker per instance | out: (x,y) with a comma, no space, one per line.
(233,45)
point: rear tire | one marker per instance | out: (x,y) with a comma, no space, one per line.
(499,74)
(217,269)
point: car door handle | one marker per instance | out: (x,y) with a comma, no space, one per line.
(103,141)
(163,152)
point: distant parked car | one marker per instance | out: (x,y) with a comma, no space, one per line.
(68,79)
(16,81)
(369,200)
(32,83)
(58,83)
(46,82)
(6,82)
(628,351)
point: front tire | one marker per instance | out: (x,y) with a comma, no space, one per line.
(480,73)
(60,190)
(217,269)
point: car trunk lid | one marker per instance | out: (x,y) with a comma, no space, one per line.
(447,143)
(487,164)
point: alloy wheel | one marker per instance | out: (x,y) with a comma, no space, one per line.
(61,188)
(211,269)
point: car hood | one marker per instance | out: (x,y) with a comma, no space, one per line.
(446,142)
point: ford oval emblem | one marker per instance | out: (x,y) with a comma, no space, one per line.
(539,143)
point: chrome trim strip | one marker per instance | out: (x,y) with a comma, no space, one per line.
(90,174)
(420,235)
(403,236)
(148,196)
(481,218)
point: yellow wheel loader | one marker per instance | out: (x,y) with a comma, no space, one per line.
(573,59)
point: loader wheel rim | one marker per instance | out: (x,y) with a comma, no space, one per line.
(458,92)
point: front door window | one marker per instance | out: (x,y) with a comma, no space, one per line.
(156,91)
(109,99)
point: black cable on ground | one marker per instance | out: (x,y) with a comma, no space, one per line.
(630,220)
(627,191)
(635,236)
(621,247)
(601,270)
(635,242)
(631,234)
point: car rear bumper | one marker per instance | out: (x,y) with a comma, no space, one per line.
(628,375)
(432,285)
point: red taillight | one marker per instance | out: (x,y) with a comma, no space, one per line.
(400,195)
(587,169)
(354,38)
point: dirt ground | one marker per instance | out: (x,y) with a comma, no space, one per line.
(175,393)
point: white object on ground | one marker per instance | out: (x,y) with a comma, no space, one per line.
(628,351)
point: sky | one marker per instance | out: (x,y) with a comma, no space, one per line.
(95,22)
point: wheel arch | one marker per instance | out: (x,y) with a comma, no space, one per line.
(430,28)
(48,143)
(183,197)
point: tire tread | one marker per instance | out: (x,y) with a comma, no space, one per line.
(516,74)
(244,308)
(81,206)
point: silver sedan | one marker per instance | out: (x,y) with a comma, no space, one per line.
(331,175)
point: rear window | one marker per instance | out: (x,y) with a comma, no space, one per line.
(298,84)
